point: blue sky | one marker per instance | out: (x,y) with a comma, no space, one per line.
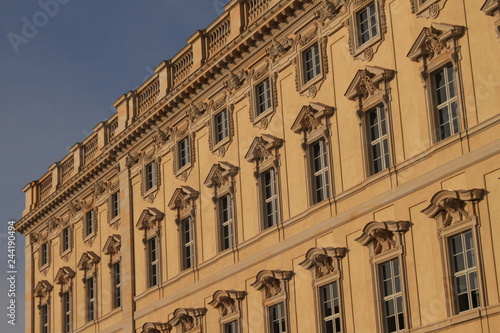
(63,63)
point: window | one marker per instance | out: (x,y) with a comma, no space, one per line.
(446,103)
(221,126)
(427,8)
(320,177)
(226,225)
(153,261)
(263,95)
(367,23)
(44,318)
(90,299)
(312,63)
(392,296)
(277,318)
(66,312)
(117,284)
(187,243)
(330,308)
(150,176)
(231,327)
(270,198)
(44,254)
(65,239)
(115,199)
(184,157)
(377,138)
(464,270)
(89,223)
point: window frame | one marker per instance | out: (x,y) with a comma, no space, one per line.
(257,75)
(45,318)
(114,205)
(323,317)
(180,164)
(90,299)
(282,320)
(391,297)
(268,98)
(427,8)
(150,176)
(220,126)
(274,199)
(89,231)
(222,223)
(65,239)
(323,173)
(359,23)
(385,156)
(189,245)
(116,278)
(66,308)
(153,264)
(45,254)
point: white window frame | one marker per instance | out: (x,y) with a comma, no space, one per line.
(262,75)
(221,126)
(282,317)
(44,254)
(150,176)
(323,172)
(187,245)
(90,299)
(382,140)
(226,221)
(153,263)
(311,73)
(66,308)
(65,239)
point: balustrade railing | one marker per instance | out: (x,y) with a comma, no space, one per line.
(147,96)
(255,8)
(112,126)
(45,186)
(89,150)
(67,168)
(182,67)
(217,37)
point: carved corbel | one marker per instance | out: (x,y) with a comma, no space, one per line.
(323,261)
(150,327)
(64,278)
(188,319)
(150,222)
(227,301)
(184,202)
(384,236)
(272,283)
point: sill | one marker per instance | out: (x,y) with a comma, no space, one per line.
(263,115)
(221,143)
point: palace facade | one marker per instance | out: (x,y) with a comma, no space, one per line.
(299,166)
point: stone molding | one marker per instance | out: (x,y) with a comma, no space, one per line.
(228,302)
(220,178)
(150,222)
(43,291)
(323,262)
(430,9)
(184,202)
(151,327)
(383,236)
(88,263)
(272,282)
(64,278)
(112,247)
(189,320)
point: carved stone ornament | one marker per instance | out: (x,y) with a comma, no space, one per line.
(264,151)
(88,264)
(279,48)
(309,88)
(162,136)
(99,188)
(312,117)
(74,206)
(150,222)
(132,159)
(64,278)
(233,81)
(492,8)
(188,319)
(221,177)
(53,224)
(429,9)
(435,40)
(42,291)
(150,327)
(184,200)
(272,283)
(381,237)
(323,261)
(194,111)
(449,207)
(227,301)
(112,246)
(328,9)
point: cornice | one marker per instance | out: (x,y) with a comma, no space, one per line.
(238,50)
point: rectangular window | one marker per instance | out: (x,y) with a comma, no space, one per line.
(184,153)
(116,271)
(221,126)
(187,243)
(44,318)
(330,308)
(392,296)
(377,137)
(115,203)
(312,64)
(270,198)
(66,312)
(150,176)
(464,269)
(263,93)
(445,94)
(277,318)
(44,254)
(225,207)
(65,239)
(89,222)
(320,181)
(367,23)
(231,327)
(90,285)
(153,261)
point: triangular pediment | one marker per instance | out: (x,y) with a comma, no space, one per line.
(112,245)
(183,197)
(433,40)
(88,260)
(366,82)
(262,147)
(309,117)
(64,274)
(42,288)
(220,174)
(149,217)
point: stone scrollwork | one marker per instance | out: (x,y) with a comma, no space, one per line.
(151,327)
(64,278)
(227,301)
(323,261)
(272,282)
(184,202)
(279,47)
(88,264)
(263,152)
(427,9)
(328,9)
(382,237)
(188,319)
(221,178)
(150,222)
(112,247)
(42,291)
